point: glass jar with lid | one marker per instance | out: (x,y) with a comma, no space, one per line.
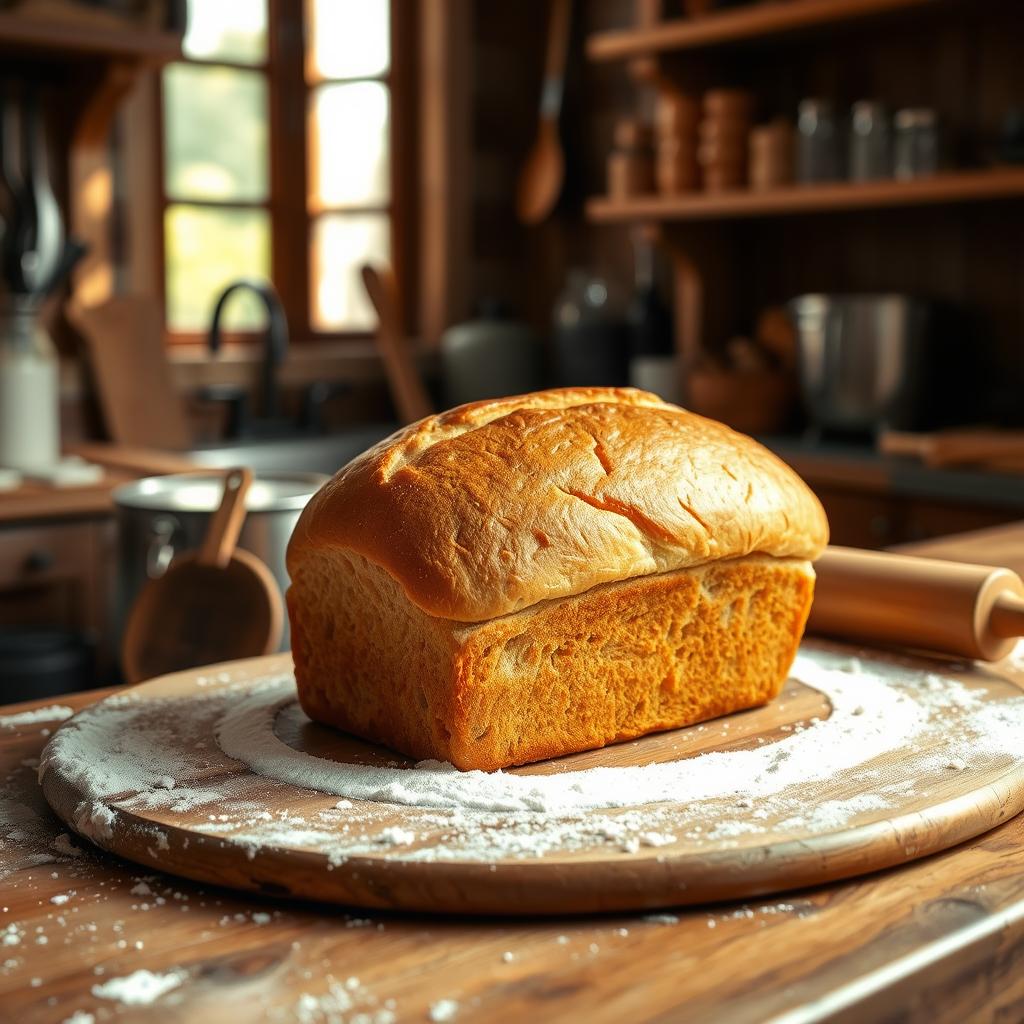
(817,153)
(916,143)
(870,156)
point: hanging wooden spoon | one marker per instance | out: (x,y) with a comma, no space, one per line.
(217,604)
(541,177)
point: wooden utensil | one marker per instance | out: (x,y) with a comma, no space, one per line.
(218,604)
(407,390)
(971,611)
(124,339)
(540,180)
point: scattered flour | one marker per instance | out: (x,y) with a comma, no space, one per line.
(63,845)
(79,1017)
(131,754)
(341,998)
(140,988)
(95,820)
(52,713)
(443,1010)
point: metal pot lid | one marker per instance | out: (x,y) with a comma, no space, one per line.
(201,492)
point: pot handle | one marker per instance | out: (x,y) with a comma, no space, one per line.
(161,546)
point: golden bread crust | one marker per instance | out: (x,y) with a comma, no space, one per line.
(496,506)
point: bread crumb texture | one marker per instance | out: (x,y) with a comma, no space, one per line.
(497,506)
(619,661)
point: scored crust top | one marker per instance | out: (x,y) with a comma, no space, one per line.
(497,505)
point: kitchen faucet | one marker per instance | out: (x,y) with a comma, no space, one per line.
(275,346)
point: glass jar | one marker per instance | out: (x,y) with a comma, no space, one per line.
(29,389)
(870,156)
(916,146)
(817,154)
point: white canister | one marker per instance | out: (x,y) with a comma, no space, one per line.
(29,390)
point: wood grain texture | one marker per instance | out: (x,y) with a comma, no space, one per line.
(936,941)
(941,809)
(43,33)
(731,26)
(948,187)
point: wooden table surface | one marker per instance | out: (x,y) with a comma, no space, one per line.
(938,940)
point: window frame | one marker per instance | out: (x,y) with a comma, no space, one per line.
(292,216)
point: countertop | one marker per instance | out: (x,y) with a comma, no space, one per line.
(863,468)
(36,502)
(941,939)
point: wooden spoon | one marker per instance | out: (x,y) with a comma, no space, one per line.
(217,604)
(407,391)
(541,177)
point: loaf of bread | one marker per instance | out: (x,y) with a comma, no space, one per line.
(528,577)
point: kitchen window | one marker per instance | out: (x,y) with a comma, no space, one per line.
(278,135)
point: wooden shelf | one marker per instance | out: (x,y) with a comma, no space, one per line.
(69,39)
(958,187)
(737,25)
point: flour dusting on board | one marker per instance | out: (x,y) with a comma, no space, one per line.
(121,754)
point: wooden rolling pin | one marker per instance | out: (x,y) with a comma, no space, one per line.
(971,611)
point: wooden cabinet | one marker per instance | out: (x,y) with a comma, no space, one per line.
(60,575)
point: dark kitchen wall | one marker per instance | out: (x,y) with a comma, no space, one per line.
(960,58)
(527,266)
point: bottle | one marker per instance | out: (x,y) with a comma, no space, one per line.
(916,148)
(817,153)
(29,389)
(653,365)
(869,147)
(591,344)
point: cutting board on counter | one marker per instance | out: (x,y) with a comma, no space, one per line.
(124,338)
(145,775)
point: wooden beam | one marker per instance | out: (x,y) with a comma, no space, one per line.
(445,38)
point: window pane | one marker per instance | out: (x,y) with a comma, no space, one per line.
(349,142)
(348,38)
(234,30)
(205,251)
(215,133)
(342,243)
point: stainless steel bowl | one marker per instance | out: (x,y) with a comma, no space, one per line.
(862,360)
(161,515)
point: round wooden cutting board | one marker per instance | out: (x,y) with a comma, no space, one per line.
(925,763)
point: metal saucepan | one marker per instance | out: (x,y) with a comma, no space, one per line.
(161,515)
(862,360)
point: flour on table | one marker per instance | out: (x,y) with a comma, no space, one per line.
(51,713)
(140,988)
(444,1010)
(79,1017)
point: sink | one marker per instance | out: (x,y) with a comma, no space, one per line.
(325,453)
